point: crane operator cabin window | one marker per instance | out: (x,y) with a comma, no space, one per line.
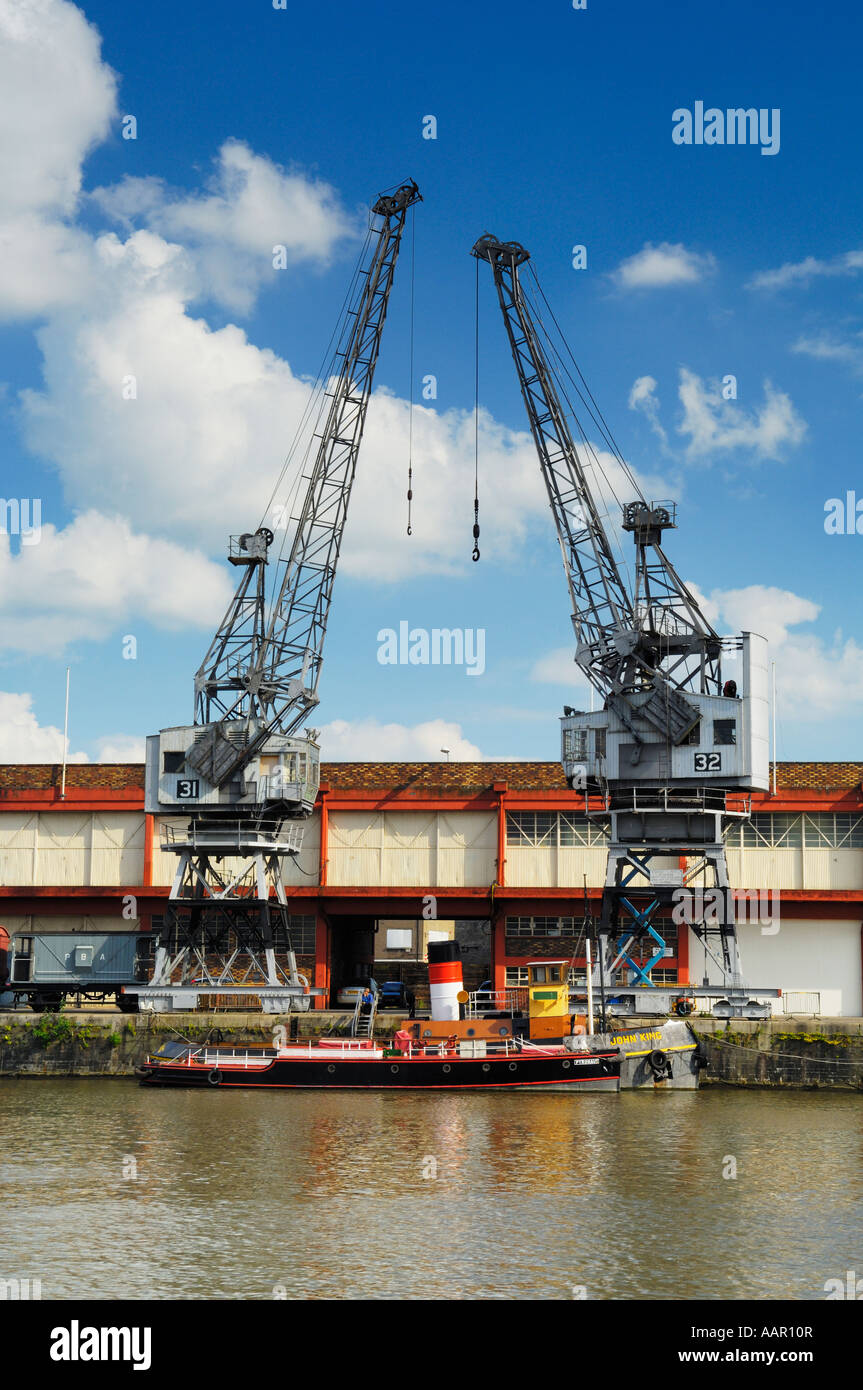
(724,732)
(575,743)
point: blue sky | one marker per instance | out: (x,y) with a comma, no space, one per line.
(258,126)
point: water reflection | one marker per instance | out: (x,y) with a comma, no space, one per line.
(354,1196)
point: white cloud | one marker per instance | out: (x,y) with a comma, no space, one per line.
(196,451)
(802,272)
(558,667)
(657,267)
(643,397)
(816,679)
(827,349)
(819,680)
(44,266)
(58,102)
(764,609)
(366,740)
(120,748)
(707,604)
(23,739)
(250,206)
(59,99)
(715,425)
(97,577)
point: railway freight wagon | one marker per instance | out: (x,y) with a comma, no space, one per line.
(44,968)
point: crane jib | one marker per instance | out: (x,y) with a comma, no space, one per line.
(260,675)
(655,636)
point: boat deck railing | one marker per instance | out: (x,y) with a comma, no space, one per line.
(500,1001)
(215,1056)
(207,1057)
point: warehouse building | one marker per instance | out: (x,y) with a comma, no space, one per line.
(499,854)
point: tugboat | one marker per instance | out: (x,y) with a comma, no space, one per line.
(468,1044)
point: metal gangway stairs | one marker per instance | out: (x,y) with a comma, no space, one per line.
(363,1024)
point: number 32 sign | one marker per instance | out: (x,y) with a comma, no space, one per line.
(708,762)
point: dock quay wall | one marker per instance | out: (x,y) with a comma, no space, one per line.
(804,1054)
(102,1043)
(792,1053)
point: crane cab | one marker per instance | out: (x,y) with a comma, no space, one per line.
(548,998)
(285,772)
(727,746)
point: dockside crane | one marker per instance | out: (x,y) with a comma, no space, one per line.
(669,758)
(242,777)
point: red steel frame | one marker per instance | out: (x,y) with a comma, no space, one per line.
(329,903)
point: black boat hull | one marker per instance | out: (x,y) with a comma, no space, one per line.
(550,1073)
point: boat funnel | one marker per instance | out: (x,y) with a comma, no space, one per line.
(445,979)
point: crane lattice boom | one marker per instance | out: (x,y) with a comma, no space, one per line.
(260,675)
(657,640)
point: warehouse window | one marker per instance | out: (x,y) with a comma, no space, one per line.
(399,938)
(173,762)
(765,831)
(531,828)
(824,830)
(534,829)
(541,926)
(516,975)
(599,741)
(724,732)
(302,931)
(573,830)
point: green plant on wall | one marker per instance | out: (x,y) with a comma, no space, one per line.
(59,1028)
(52,1028)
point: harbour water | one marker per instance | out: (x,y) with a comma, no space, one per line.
(116,1191)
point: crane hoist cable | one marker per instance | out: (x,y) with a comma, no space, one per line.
(593,408)
(310,420)
(411,371)
(475,551)
(321,377)
(602,483)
